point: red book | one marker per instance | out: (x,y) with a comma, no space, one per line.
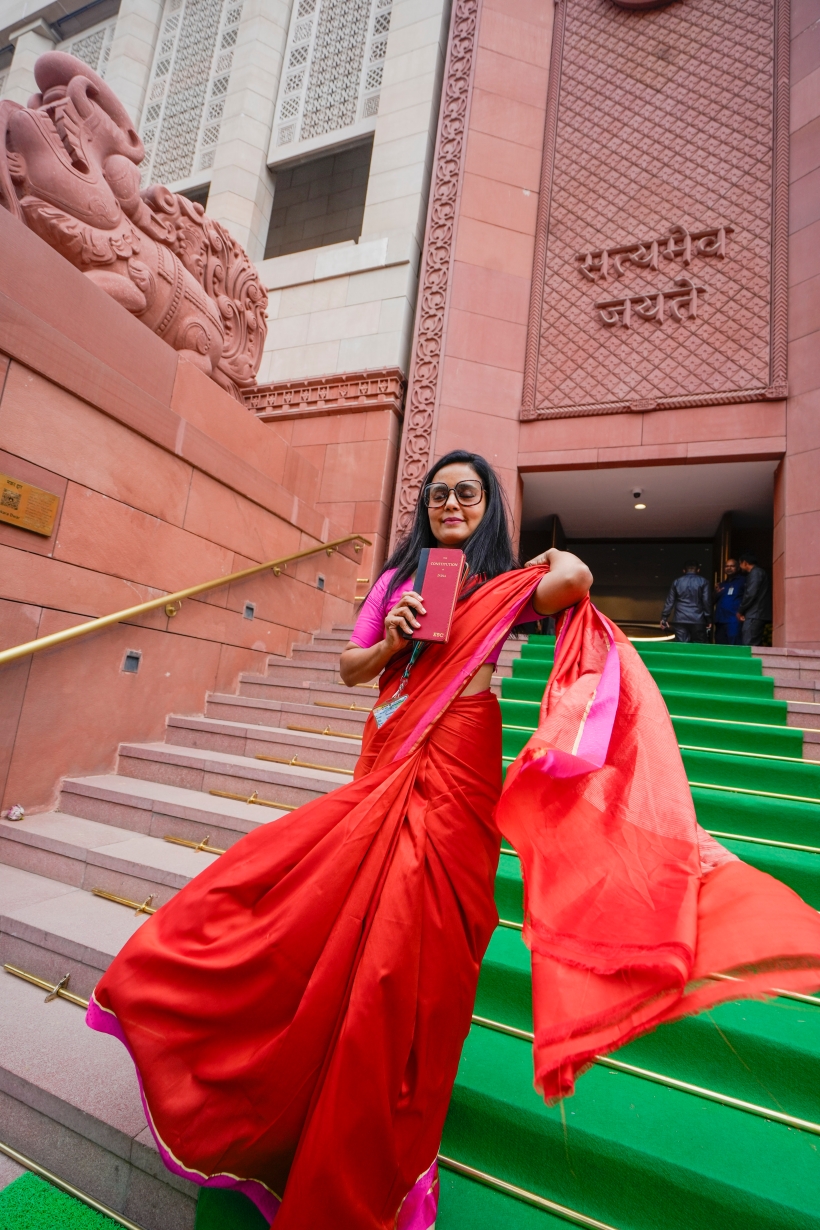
(438,580)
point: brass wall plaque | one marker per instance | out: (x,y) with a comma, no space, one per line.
(29,508)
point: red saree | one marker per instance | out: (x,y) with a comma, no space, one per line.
(633,914)
(296,1013)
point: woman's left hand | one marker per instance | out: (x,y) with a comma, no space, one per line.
(543,558)
(566,583)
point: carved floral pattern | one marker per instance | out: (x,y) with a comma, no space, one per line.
(435,276)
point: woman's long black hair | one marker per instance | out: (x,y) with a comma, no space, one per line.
(489,550)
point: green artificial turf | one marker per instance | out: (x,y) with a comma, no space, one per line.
(30,1203)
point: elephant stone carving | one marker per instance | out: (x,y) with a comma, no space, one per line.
(69,171)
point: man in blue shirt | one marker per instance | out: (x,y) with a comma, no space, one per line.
(729,594)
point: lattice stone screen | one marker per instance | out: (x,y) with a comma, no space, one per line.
(93,46)
(333,68)
(189,81)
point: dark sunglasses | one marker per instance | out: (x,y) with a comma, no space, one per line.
(468,491)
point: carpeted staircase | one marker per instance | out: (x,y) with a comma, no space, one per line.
(711,1123)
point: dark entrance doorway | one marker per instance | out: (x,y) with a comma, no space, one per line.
(702,512)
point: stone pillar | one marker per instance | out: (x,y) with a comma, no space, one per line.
(30,41)
(241,186)
(797,492)
(132,53)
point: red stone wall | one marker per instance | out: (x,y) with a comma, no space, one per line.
(348,427)
(496,148)
(797,490)
(164,481)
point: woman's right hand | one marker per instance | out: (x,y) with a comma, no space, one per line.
(400,621)
(359,665)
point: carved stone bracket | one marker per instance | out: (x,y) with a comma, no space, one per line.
(434,280)
(382,389)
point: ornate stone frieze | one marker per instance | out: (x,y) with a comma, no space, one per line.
(320,395)
(69,171)
(674,115)
(423,385)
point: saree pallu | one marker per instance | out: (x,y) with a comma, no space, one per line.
(296,1013)
(634,915)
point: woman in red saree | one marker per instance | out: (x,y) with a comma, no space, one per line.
(296,1013)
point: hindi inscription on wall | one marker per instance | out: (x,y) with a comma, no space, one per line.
(662,201)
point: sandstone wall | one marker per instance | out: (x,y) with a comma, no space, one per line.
(164,481)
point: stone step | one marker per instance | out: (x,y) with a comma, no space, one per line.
(777,654)
(805,714)
(198,769)
(254,711)
(802,691)
(70,1101)
(51,928)
(87,854)
(307,692)
(158,810)
(287,670)
(246,739)
(332,638)
(786,675)
(328,655)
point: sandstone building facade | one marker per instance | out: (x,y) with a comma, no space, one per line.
(579,237)
(530,162)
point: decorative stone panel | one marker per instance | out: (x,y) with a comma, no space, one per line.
(189,82)
(93,46)
(332,75)
(321,395)
(661,174)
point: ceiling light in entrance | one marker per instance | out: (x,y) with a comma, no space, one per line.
(640,506)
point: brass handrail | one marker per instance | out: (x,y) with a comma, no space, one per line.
(168,600)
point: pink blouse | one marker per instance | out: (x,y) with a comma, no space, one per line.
(369,627)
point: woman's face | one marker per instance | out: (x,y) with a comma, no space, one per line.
(453,523)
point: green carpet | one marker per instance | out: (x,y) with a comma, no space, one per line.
(218,1209)
(30,1203)
(629,1151)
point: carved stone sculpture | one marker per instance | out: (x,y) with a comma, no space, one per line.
(68,170)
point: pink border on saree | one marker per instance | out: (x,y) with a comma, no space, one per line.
(105,1022)
(595,731)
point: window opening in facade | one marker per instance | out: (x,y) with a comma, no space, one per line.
(319,201)
(198,195)
(6,57)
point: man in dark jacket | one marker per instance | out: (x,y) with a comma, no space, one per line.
(755,609)
(728,594)
(691,600)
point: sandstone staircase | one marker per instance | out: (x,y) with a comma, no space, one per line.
(713,1122)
